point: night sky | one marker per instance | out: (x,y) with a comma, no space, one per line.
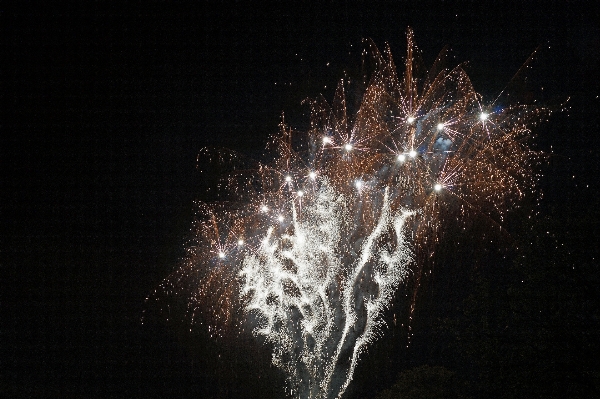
(105,108)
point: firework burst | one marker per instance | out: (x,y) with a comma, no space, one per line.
(313,246)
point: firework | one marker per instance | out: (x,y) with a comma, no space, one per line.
(313,246)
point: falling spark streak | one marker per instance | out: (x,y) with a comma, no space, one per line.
(317,243)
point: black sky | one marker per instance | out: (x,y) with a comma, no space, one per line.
(107,105)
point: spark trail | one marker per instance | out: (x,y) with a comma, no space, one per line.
(317,310)
(314,245)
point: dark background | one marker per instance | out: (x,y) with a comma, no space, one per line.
(105,110)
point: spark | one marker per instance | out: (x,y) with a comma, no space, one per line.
(315,285)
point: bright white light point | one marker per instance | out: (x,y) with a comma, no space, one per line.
(300,239)
(300,193)
(326,140)
(412,153)
(358,184)
(288,178)
(264,208)
(348,147)
(312,175)
(240,242)
(221,255)
(401,157)
(440,126)
(280,218)
(410,120)
(437,187)
(483,116)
